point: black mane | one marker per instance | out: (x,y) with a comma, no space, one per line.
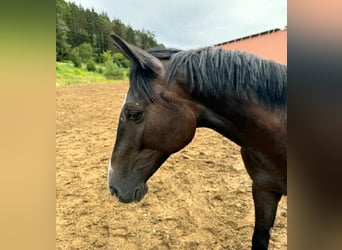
(213,72)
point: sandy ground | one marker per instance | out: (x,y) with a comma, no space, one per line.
(199,199)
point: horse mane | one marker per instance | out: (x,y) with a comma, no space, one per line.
(213,72)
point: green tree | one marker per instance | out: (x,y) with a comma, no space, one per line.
(82,54)
(130,35)
(62,45)
(85,52)
(118,27)
(76,25)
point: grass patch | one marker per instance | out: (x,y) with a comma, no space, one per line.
(67,75)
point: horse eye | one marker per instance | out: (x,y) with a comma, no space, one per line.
(134,115)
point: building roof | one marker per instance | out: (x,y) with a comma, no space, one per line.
(270,44)
(250,36)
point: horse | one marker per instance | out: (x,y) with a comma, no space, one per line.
(172,92)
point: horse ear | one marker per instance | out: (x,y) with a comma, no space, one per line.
(137,55)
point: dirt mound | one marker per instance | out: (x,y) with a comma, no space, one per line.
(199,199)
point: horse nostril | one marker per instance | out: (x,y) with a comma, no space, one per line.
(113,191)
(137,194)
(136,191)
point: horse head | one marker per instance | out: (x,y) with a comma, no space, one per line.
(156,120)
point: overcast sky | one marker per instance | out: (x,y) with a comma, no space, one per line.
(185,24)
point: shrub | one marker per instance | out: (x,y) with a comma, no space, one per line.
(120,60)
(85,52)
(75,58)
(107,57)
(113,71)
(77,62)
(100,70)
(91,66)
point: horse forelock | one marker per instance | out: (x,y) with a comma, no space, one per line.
(141,79)
(140,84)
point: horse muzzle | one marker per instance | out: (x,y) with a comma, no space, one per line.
(128,195)
(125,189)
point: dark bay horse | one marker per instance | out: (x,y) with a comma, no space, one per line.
(173,92)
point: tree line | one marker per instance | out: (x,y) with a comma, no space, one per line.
(83,34)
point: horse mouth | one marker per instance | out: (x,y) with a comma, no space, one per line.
(135,196)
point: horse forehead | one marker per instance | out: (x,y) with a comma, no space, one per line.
(129,98)
(134,98)
(123,103)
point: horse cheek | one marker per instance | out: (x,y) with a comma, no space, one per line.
(155,136)
(181,132)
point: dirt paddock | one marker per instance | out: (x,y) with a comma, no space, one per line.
(200,198)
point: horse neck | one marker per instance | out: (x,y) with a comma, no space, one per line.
(244,122)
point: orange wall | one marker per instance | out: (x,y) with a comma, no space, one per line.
(269,46)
